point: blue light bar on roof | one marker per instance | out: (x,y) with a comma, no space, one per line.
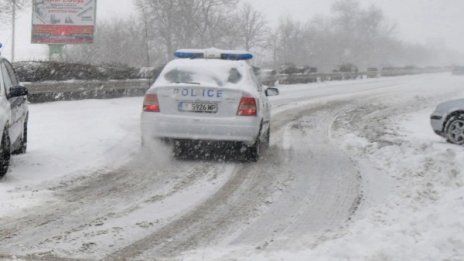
(213,53)
(185,54)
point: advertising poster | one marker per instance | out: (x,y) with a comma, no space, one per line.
(63,21)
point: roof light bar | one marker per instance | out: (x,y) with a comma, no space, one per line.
(213,53)
(186,54)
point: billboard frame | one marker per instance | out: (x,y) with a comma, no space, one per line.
(61,34)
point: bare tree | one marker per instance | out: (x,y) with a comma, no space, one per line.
(289,41)
(253,29)
(216,23)
(9,8)
(352,34)
(8,12)
(188,23)
(119,41)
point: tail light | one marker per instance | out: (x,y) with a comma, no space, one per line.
(247,106)
(150,103)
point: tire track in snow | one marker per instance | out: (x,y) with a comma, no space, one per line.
(324,192)
(250,207)
(89,203)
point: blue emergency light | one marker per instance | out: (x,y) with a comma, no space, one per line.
(213,53)
(185,54)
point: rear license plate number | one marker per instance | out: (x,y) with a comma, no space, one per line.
(198,107)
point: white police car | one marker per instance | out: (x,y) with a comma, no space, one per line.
(208,95)
(13,115)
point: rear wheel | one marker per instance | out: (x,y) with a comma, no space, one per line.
(455,129)
(267,138)
(4,153)
(254,152)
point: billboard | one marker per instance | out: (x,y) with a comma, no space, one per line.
(63,21)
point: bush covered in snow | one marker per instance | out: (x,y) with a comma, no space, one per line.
(59,71)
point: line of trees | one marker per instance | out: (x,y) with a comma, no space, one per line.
(164,26)
(6,8)
(351,34)
(8,13)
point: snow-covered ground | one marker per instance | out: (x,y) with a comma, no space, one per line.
(354,172)
(68,139)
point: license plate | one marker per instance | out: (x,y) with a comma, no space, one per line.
(198,107)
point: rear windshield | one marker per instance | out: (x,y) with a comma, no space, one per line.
(216,77)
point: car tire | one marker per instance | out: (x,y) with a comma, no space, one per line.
(254,151)
(23,142)
(5,153)
(267,138)
(454,129)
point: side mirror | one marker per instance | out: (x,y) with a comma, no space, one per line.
(272,91)
(18,91)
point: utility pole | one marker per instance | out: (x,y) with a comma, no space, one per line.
(147,46)
(13,30)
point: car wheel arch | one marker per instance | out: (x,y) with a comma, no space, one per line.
(450,116)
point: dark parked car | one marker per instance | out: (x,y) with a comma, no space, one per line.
(458,70)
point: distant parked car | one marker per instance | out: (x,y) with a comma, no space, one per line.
(347,68)
(372,72)
(13,115)
(267,77)
(448,121)
(345,72)
(458,70)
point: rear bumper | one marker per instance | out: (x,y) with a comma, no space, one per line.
(241,129)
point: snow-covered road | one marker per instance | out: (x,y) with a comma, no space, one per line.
(354,172)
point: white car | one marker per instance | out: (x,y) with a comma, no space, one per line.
(448,121)
(208,95)
(13,115)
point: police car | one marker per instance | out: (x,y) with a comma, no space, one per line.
(13,115)
(208,95)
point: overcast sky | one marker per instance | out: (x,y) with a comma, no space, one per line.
(438,22)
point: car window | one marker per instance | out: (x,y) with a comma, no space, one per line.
(181,75)
(11,73)
(7,83)
(186,76)
(2,85)
(234,76)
